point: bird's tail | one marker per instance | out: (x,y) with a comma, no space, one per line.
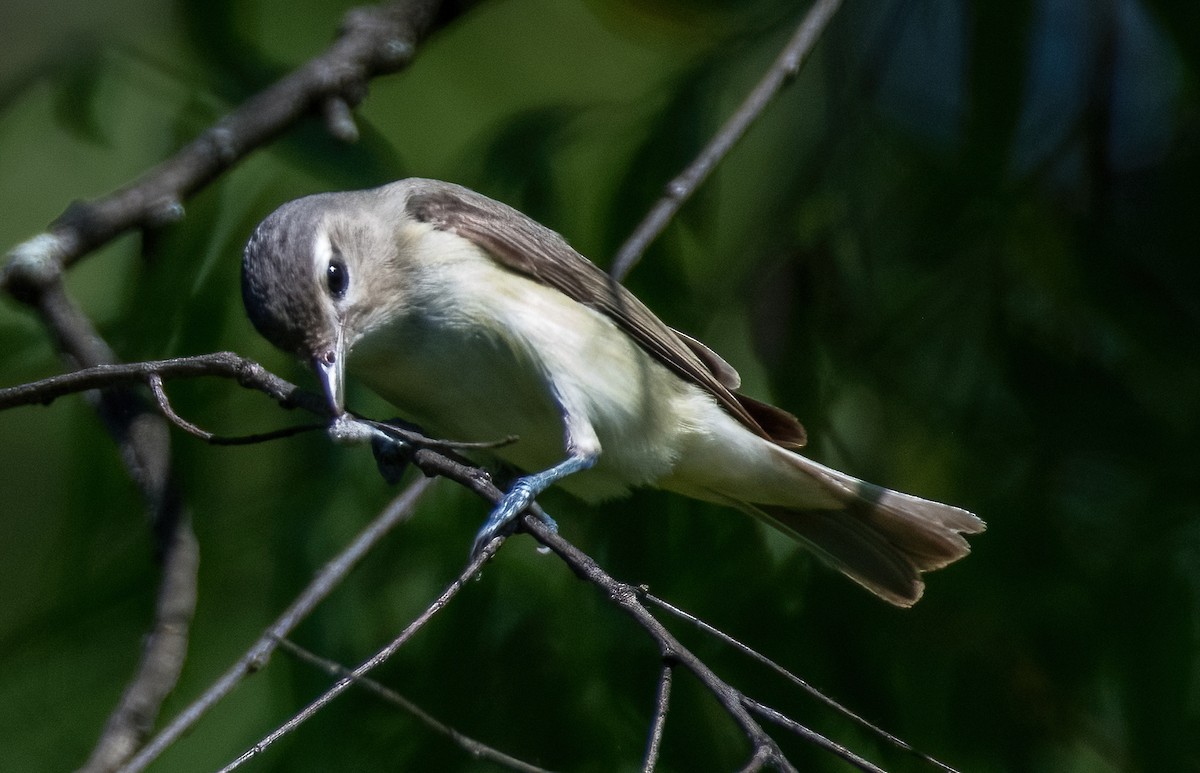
(880,538)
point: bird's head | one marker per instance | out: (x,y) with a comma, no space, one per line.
(319,273)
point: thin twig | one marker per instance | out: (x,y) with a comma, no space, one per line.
(679,190)
(627,598)
(812,737)
(246,372)
(662,703)
(164,405)
(379,658)
(476,749)
(405,435)
(797,681)
(255,658)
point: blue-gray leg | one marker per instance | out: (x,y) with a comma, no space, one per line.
(522,494)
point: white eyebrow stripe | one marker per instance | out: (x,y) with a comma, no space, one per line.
(322,251)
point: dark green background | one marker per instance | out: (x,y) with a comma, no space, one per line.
(960,247)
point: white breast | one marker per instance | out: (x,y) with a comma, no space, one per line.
(481,353)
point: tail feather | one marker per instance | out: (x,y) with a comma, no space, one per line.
(853,548)
(883,539)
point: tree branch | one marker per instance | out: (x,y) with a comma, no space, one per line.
(679,190)
(144,444)
(379,658)
(373,41)
(813,692)
(662,704)
(808,735)
(432,459)
(163,655)
(259,654)
(628,599)
(247,373)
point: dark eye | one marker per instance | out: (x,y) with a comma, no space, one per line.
(337,278)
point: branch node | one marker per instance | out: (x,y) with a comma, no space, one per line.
(339,119)
(223,142)
(396,52)
(32,265)
(258,657)
(248,372)
(165,212)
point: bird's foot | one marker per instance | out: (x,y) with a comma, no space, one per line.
(502,517)
(391,457)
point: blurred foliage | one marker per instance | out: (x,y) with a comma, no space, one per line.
(961,247)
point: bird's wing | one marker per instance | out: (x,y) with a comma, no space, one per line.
(532,250)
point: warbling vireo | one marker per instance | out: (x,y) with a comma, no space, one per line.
(478,324)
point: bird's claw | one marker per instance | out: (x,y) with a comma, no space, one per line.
(504,515)
(391,457)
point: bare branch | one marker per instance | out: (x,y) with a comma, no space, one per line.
(797,681)
(144,443)
(679,190)
(476,749)
(153,372)
(627,598)
(330,576)
(402,434)
(246,372)
(430,457)
(662,704)
(373,41)
(814,738)
(376,660)
(162,657)
(164,405)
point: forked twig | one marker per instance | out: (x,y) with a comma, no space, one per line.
(797,681)
(164,405)
(382,656)
(255,658)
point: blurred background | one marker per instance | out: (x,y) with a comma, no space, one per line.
(960,247)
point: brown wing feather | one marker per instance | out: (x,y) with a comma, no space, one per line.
(723,371)
(529,248)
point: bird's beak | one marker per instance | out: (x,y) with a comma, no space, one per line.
(330,367)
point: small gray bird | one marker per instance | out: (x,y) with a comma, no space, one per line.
(478,324)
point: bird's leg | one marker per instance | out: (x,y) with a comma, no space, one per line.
(522,494)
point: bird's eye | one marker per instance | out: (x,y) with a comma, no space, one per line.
(337,278)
